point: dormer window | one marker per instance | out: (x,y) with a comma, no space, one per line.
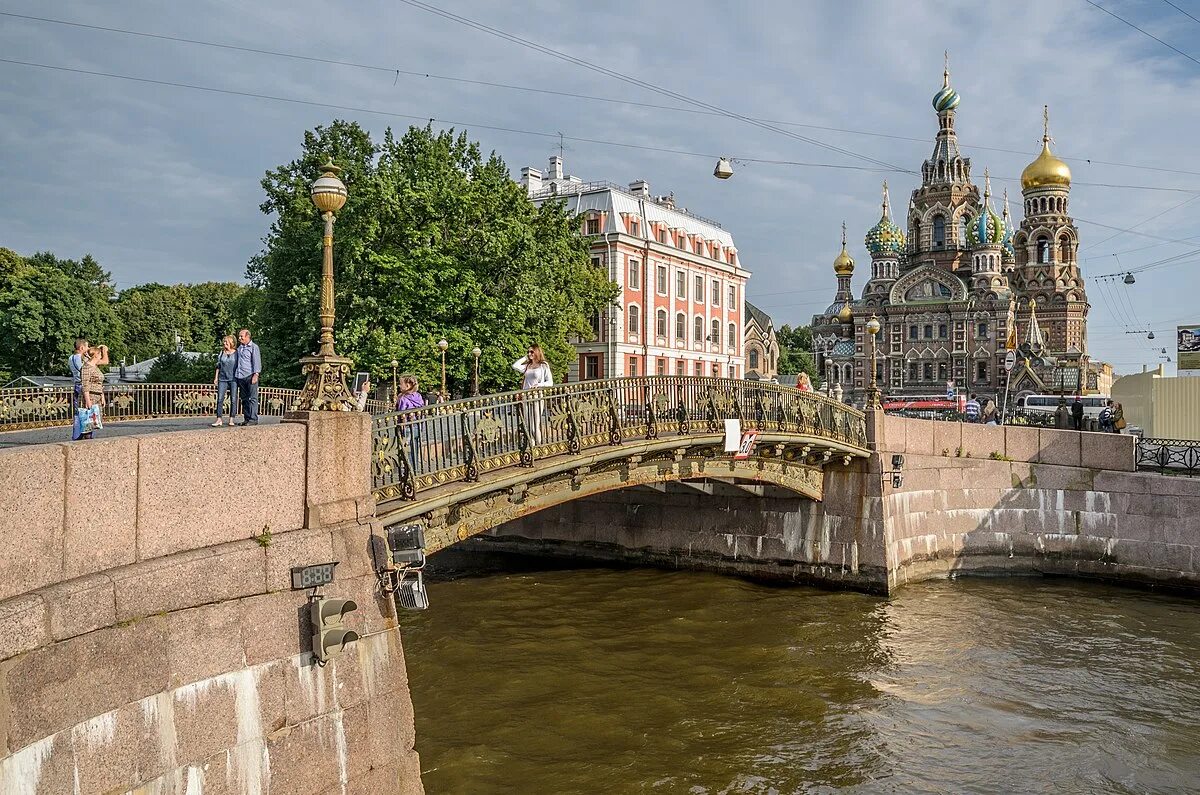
(591,226)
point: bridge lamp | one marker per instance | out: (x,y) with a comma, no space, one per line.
(873,328)
(395,385)
(724,168)
(442,346)
(476,352)
(325,372)
(895,471)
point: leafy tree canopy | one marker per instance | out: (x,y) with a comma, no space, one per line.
(177,368)
(795,351)
(435,241)
(200,314)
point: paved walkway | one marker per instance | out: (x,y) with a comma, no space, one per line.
(62,433)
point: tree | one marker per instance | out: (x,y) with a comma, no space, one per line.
(178,368)
(200,314)
(45,304)
(435,241)
(795,351)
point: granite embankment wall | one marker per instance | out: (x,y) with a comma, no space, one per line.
(152,645)
(1066,503)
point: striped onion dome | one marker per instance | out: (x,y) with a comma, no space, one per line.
(986,228)
(885,237)
(946,99)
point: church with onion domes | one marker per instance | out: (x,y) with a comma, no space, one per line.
(962,284)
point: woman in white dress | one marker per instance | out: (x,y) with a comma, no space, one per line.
(535,373)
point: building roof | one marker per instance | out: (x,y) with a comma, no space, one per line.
(758,316)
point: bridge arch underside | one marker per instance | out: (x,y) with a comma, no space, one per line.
(790,511)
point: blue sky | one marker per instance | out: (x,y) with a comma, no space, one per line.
(162,183)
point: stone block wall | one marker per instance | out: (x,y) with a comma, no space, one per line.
(152,642)
(832,542)
(1067,503)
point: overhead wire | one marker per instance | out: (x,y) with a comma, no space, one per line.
(1180,10)
(1142,31)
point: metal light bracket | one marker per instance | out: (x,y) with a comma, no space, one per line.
(896,471)
(403,577)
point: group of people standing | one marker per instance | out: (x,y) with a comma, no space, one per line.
(239,365)
(984,411)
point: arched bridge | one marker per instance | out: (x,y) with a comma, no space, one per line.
(469,465)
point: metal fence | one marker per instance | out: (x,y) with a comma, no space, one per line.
(459,440)
(38,407)
(1170,456)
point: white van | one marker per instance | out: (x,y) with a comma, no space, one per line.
(1046,404)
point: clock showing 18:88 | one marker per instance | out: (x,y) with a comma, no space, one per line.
(312,576)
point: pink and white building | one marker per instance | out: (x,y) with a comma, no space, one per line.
(681,309)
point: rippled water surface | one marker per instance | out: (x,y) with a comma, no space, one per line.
(595,680)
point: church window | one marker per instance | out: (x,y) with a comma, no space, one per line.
(1043,250)
(928,371)
(912,332)
(1064,249)
(939,232)
(753,358)
(943,372)
(912,371)
(915,237)
(848,375)
(928,332)
(981,371)
(983,330)
(942,331)
(962,231)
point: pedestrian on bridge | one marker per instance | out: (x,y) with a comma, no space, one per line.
(803,383)
(1077,413)
(410,398)
(246,372)
(224,380)
(1062,415)
(1106,417)
(971,410)
(535,373)
(1118,416)
(88,417)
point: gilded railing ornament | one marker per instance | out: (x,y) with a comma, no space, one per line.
(683,424)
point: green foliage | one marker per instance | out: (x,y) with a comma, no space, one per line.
(795,351)
(45,304)
(175,368)
(152,314)
(435,241)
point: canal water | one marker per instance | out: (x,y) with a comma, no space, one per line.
(594,680)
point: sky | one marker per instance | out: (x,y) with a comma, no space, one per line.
(161,183)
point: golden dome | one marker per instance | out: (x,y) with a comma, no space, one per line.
(843,265)
(845,315)
(1047,169)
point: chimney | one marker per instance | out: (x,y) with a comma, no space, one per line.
(640,187)
(556,167)
(531,180)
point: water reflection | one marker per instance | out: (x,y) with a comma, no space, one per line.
(596,680)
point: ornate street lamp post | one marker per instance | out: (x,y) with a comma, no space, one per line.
(873,390)
(325,372)
(475,352)
(395,383)
(442,346)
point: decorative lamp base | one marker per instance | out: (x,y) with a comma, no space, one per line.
(325,386)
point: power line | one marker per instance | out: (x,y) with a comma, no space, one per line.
(638,82)
(1180,10)
(1146,221)
(391,70)
(1139,30)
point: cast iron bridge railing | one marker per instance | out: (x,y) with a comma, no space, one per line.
(42,407)
(424,448)
(1169,456)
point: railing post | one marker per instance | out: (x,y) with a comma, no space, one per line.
(614,420)
(572,427)
(468,444)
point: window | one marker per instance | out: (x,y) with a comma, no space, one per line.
(731,336)
(662,234)
(681,285)
(732,297)
(660,322)
(928,332)
(635,274)
(927,371)
(591,367)
(983,330)
(981,371)
(699,369)
(699,247)
(912,332)
(683,239)
(733,371)
(942,331)
(1064,249)
(939,232)
(716,292)
(680,367)
(698,329)
(595,262)
(715,333)
(660,366)
(1043,250)
(634,313)
(592,226)
(660,279)
(942,371)
(962,231)
(912,371)
(632,366)
(680,327)
(635,227)
(698,284)
(753,358)
(732,258)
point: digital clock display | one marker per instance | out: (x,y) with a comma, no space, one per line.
(312,576)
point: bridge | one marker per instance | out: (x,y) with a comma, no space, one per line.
(470,465)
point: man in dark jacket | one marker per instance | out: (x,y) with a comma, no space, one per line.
(1077,413)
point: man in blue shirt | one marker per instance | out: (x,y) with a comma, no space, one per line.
(971,411)
(75,362)
(249,365)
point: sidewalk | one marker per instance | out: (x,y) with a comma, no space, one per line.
(62,433)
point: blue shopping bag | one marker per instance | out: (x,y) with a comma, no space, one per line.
(86,421)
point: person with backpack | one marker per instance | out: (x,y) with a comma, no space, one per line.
(971,410)
(1106,417)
